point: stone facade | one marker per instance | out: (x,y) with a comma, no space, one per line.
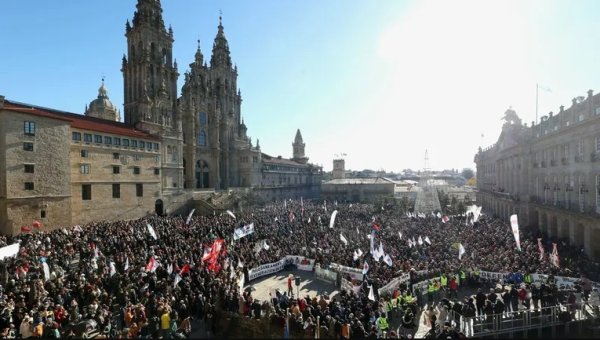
(358,189)
(548,174)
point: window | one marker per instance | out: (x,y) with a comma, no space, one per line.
(28,185)
(84,169)
(29,168)
(137,157)
(136,170)
(87,137)
(580,148)
(597,144)
(156,171)
(202,119)
(107,140)
(84,153)
(76,136)
(155,146)
(116,155)
(29,128)
(202,138)
(116,170)
(598,111)
(139,190)
(116,190)
(98,139)
(117,141)
(156,159)
(28,146)
(149,146)
(125,142)
(142,144)
(134,143)
(86,192)
(43,214)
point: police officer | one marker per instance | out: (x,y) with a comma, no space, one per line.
(382,324)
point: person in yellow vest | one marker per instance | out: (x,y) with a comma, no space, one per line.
(528,279)
(389,309)
(430,292)
(444,284)
(382,324)
(463,278)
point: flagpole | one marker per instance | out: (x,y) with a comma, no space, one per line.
(536,102)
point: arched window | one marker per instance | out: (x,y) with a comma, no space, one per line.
(202,138)
(202,119)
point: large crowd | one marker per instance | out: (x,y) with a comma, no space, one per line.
(100,277)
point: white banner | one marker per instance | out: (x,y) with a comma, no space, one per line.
(395,283)
(514,223)
(9,251)
(301,262)
(355,273)
(244,231)
(266,269)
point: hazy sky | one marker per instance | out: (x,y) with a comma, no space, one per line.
(378,80)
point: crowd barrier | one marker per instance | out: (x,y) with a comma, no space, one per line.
(301,262)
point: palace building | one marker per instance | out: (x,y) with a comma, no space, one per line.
(547,173)
(64,168)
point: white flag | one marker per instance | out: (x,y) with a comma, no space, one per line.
(265,245)
(400,234)
(309,220)
(380,250)
(388,260)
(427,239)
(355,255)
(358,232)
(46,271)
(284,204)
(244,231)
(365,268)
(371,294)
(230,213)
(410,243)
(461,250)
(151,231)
(189,218)
(126,263)
(113,269)
(343,239)
(177,279)
(514,223)
(420,241)
(439,215)
(359,252)
(170,268)
(240,264)
(332,220)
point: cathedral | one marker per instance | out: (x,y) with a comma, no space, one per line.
(64,168)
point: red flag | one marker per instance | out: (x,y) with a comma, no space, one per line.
(541,249)
(206,254)
(185,269)
(215,250)
(376,226)
(36,224)
(152,265)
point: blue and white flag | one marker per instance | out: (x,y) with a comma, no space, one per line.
(244,231)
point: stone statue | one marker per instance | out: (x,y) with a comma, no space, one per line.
(511,118)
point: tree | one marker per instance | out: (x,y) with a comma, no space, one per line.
(467,173)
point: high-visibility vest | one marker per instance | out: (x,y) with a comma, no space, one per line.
(409,298)
(383,324)
(389,306)
(444,280)
(527,278)
(477,273)
(463,275)
(430,288)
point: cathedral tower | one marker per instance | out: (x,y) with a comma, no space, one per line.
(298,146)
(150,85)
(102,107)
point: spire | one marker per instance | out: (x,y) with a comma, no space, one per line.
(220,52)
(199,56)
(149,12)
(298,138)
(298,147)
(102,93)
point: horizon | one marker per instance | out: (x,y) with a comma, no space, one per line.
(381,82)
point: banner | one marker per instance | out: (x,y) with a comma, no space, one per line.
(189,218)
(266,269)
(244,231)
(151,231)
(301,262)
(514,223)
(332,220)
(395,283)
(356,273)
(325,275)
(9,251)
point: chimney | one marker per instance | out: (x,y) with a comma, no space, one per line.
(550,114)
(590,93)
(562,108)
(574,100)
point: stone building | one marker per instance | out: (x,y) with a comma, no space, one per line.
(64,168)
(548,173)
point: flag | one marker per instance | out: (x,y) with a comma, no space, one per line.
(554,258)
(371,294)
(358,232)
(410,243)
(301,202)
(400,234)
(380,250)
(420,241)
(206,253)
(126,263)
(177,280)
(113,269)
(355,255)
(244,231)
(285,204)
(414,242)
(78,228)
(439,215)
(514,223)
(189,218)
(376,226)
(151,265)
(372,239)
(388,260)
(230,213)
(365,268)
(240,264)
(291,216)
(427,240)
(46,271)
(185,269)
(96,255)
(332,220)
(343,239)
(359,252)
(36,224)
(541,249)
(445,219)
(461,250)
(151,231)
(170,268)
(309,220)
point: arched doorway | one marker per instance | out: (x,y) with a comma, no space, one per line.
(202,174)
(158,207)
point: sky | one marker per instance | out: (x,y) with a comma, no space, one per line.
(380,81)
